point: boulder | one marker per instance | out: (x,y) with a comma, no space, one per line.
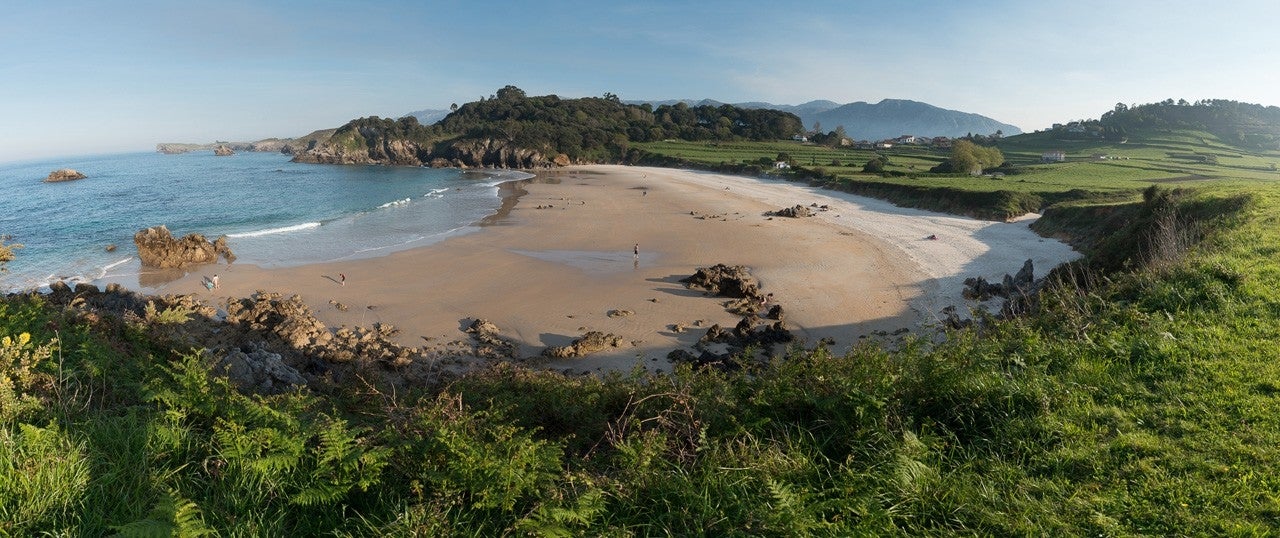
(64,174)
(158,248)
(222,151)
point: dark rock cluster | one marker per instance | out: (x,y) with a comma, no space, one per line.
(751,331)
(1022,283)
(796,211)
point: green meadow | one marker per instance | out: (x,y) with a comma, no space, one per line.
(1137,395)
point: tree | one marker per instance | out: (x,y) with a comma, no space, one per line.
(874,166)
(784,157)
(453,107)
(967,157)
(510,93)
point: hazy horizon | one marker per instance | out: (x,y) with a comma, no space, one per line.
(87,78)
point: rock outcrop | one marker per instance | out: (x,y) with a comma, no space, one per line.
(591,342)
(158,248)
(252,368)
(64,174)
(223,150)
(726,281)
(1022,283)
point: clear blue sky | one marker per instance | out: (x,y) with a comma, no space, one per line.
(80,77)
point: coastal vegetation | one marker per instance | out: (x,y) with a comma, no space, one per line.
(1136,396)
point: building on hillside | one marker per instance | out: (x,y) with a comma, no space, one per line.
(781,165)
(1056,156)
(941,142)
(885,144)
(905,139)
(800,138)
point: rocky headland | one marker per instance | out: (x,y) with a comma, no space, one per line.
(372,145)
(288,146)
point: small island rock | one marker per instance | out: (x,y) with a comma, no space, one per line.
(65,174)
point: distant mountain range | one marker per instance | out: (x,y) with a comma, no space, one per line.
(889,118)
(428,116)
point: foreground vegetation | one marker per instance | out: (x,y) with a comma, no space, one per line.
(1137,396)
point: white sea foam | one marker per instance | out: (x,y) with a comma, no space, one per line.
(113,265)
(435,193)
(282,230)
(396,203)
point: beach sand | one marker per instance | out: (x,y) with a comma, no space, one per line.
(562,259)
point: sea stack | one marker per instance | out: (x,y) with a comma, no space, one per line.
(64,174)
(158,248)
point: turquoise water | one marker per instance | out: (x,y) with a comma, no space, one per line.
(274,212)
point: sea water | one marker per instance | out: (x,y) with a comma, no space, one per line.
(274,212)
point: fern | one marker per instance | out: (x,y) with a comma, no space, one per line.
(341,464)
(172,515)
(173,315)
(559,521)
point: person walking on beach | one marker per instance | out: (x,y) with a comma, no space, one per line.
(215,281)
(342,279)
(636,251)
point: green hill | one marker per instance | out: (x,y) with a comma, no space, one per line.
(514,130)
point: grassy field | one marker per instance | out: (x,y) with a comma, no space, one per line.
(1160,158)
(1137,396)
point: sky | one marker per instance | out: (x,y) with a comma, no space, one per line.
(87,77)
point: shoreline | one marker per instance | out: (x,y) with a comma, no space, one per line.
(559,261)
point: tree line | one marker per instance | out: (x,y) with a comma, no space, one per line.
(1243,124)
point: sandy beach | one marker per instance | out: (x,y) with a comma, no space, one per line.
(561,261)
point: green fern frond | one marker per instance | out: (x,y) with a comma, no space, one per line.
(173,515)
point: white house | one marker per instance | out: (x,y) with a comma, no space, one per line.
(781,165)
(1053,156)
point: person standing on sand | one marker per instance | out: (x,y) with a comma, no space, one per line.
(636,251)
(342,279)
(215,281)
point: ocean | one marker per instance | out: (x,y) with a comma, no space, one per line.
(274,212)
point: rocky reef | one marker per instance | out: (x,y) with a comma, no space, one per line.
(223,151)
(157,247)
